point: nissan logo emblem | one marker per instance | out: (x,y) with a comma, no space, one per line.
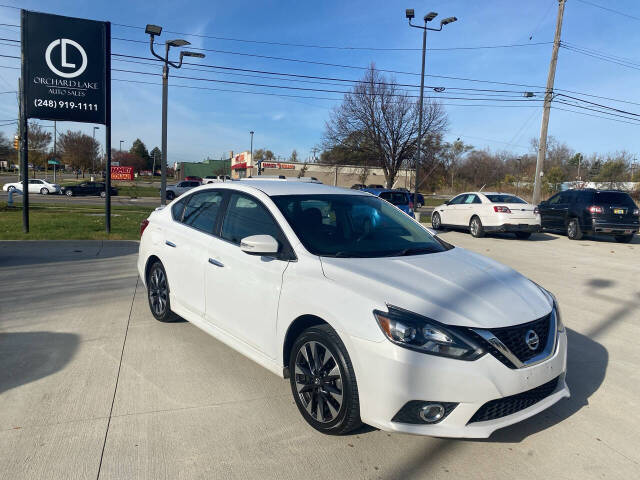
(532,340)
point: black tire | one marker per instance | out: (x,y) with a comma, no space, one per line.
(68,193)
(171,195)
(103,194)
(44,191)
(523,235)
(475,227)
(319,384)
(436,222)
(624,238)
(11,189)
(158,293)
(574,232)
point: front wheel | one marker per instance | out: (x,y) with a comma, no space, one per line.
(476,228)
(68,193)
(624,238)
(436,223)
(171,195)
(323,382)
(574,232)
(103,194)
(44,191)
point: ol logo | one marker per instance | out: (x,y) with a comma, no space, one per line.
(64,42)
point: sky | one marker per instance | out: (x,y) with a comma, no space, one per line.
(210,122)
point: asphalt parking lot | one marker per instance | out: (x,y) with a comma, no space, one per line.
(91,386)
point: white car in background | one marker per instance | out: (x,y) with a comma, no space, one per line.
(36,185)
(488,212)
(215,179)
(174,191)
(371,318)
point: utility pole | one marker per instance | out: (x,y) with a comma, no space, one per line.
(24,158)
(542,146)
(258,163)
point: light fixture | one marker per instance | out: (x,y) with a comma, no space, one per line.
(178,43)
(430,16)
(448,20)
(153,29)
(192,54)
(409,13)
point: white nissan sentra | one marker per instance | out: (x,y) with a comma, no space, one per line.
(371,317)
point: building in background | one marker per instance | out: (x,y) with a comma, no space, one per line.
(203,169)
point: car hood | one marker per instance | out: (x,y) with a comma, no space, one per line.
(455,287)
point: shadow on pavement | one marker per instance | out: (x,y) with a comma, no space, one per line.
(29,356)
(23,253)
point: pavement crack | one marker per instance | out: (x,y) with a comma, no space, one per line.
(115,389)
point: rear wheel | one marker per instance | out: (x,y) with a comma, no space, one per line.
(158,293)
(103,194)
(11,189)
(68,193)
(476,228)
(523,235)
(323,382)
(624,238)
(574,232)
(436,223)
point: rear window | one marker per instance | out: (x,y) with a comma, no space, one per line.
(500,198)
(613,198)
(395,198)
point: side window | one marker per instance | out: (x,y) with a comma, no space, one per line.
(554,200)
(201,210)
(245,217)
(178,209)
(458,200)
(476,199)
(471,199)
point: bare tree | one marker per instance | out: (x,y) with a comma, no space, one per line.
(387,119)
(78,149)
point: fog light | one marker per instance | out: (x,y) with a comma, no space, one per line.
(432,412)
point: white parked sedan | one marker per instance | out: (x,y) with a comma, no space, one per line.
(36,185)
(174,191)
(487,212)
(372,318)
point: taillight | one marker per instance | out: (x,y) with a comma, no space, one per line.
(410,205)
(536,211)
(143,225)
(595,209)
(501,209)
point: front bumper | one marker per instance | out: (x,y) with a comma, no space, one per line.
(389,376)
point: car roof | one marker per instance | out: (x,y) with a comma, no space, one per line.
(274,188)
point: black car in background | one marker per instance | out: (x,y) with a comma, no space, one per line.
(420,202)
(589,211)
(87,188)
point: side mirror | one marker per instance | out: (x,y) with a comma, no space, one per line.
(259,245)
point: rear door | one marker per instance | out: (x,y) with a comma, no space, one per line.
(187,245)
(242,290)
(554,211)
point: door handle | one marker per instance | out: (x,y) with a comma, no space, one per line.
(171,244)
(215,262)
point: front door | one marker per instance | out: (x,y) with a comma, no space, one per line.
(242,290)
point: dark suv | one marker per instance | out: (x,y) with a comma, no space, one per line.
(577,212)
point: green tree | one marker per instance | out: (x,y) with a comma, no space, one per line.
(294,156)
(613,171)
(78,150)
(156,157)
(139,148)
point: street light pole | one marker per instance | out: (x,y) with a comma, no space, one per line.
(121,142)
(153,31)
(409,13)
(251,132)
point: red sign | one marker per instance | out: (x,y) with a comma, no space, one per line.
(287,166)
(121,173)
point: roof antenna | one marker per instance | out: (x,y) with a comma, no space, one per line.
(482,187)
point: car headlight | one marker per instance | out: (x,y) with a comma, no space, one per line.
(423,334)
(556,306)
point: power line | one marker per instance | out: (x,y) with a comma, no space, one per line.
(618,12)
(592,115)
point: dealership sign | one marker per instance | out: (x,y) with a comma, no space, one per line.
(66,68)
(286,166)
(121,173)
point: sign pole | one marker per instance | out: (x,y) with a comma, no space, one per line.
(107,90)
(24,130)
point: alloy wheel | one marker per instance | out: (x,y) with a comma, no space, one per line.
(318,381)
(474,227)
(435,221)
(158,291)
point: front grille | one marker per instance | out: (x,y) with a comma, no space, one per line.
(514,337)
(509,405)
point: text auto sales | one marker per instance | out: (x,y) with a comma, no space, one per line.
(66,87)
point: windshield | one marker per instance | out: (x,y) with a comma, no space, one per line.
(501,198)
(355,226)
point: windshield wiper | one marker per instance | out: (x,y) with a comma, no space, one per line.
(411,251)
